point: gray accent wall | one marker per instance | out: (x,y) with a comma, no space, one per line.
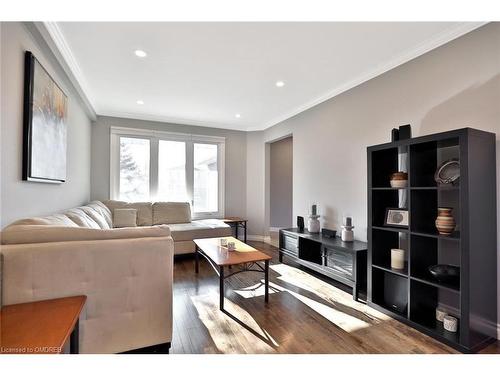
(456,85)
(19,198)
(235,173)
(281,183)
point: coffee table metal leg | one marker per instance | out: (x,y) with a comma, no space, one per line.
(221,287)
(74,338)
(196,259)
(245,229)
(266,281)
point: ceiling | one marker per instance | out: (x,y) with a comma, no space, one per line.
(207,73)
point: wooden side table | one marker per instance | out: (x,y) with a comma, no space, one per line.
(41,327)
(236,223)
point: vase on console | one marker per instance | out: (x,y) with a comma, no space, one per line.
(313,224)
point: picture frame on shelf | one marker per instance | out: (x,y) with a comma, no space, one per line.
(396,217)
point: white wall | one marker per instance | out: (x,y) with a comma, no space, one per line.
(19,198)
(235,187)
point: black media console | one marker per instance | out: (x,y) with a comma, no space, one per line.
(342,261)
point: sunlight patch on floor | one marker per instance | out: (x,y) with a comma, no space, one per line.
(342,320)
(325,291)
(257,290)
(229,335)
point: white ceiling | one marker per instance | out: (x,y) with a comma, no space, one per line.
(205,73)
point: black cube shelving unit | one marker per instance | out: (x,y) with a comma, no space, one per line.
(412,294)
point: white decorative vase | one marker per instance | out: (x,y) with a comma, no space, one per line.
(313,225)
(347,234)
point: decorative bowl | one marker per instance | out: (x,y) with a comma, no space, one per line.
(448,173)
(399,183)
(399,176)
(399,180)
(445,273)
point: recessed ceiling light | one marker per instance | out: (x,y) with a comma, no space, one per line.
(140,102)
(140,53)
(237,115)
(280,83)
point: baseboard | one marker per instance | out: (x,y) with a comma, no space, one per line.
(255,237)
(259,238)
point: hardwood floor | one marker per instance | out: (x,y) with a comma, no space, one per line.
(306,314)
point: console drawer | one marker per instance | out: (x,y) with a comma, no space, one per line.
(340,261)
(291,244)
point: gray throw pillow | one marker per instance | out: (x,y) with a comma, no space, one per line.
(124,217)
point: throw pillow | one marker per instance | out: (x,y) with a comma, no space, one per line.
(124,217)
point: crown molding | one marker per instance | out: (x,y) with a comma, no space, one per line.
(168,119)
(436,41)
(52,35)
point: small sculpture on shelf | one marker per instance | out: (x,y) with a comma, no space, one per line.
(405,132)
(445,223)
(300,223)
(394,135)
(313,225)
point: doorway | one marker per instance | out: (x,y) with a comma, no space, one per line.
(280,186)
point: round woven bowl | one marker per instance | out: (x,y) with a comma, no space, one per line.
(399,176)
(399,180)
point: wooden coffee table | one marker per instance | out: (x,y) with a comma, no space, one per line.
(41,327)
(220,257)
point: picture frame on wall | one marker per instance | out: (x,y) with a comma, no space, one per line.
(44,125)
(396,217)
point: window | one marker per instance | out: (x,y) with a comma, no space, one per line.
(206,179)
(161,166)
(172,172)
(134,169)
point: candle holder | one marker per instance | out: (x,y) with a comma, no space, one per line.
(313,224)
(347,234)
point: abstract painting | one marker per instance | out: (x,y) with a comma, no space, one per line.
(45,125)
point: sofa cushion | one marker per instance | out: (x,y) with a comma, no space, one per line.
(199,229)
(171,213)
(81,219)
(94,215)
(99,213)
(56,219)
(124,217)
(144,210)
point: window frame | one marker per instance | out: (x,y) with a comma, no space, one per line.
(154,137)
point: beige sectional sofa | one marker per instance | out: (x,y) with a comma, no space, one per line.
(177,215)
(126,273)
